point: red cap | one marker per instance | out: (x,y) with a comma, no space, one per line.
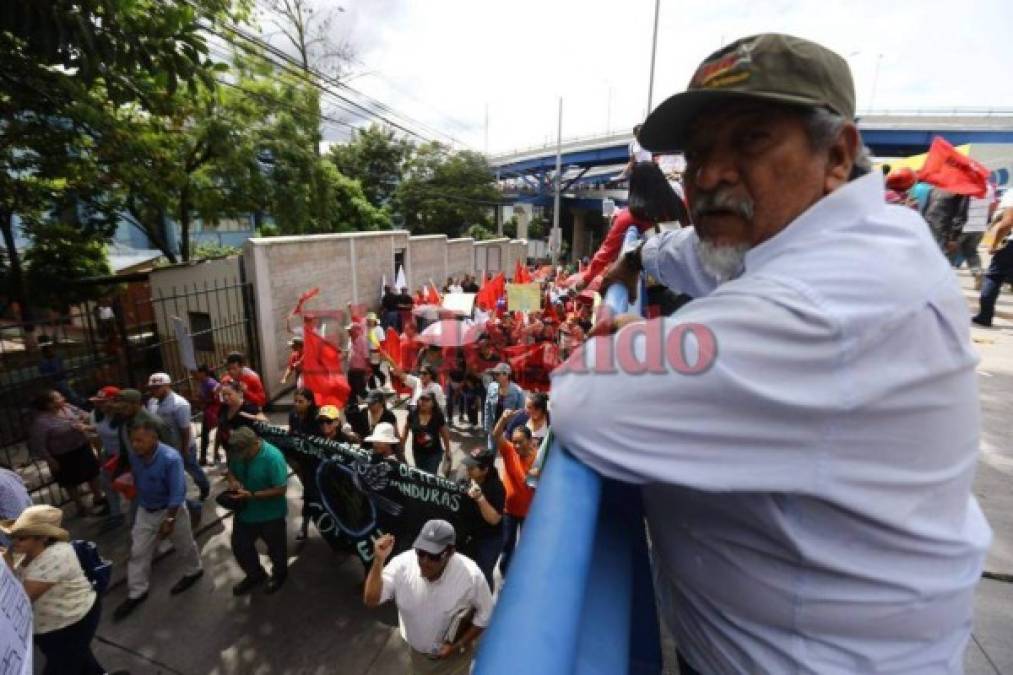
(106,393)
(901,179)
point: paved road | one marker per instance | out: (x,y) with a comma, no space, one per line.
(317,623)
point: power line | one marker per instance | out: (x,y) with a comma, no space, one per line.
(297,69)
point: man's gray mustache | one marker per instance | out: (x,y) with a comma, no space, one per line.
(709,202)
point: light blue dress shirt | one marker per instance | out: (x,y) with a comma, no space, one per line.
(808,495)
(159,479)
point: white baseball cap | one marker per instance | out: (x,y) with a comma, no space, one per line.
(159,379)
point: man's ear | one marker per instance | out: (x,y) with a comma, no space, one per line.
(841,157)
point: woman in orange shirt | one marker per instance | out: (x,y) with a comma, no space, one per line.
(518,456)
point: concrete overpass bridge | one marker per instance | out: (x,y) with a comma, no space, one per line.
(589,163)
(888,134)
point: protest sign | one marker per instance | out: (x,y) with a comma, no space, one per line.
(524,297)
(15,626)
(357,496)
(459,303)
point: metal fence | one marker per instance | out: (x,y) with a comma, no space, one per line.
(78,352)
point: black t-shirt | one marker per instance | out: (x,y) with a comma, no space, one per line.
(405,299)
(389,302)
(359,419)
(227,425)
(309,427)
(470,287)
(495,494)
(426,437)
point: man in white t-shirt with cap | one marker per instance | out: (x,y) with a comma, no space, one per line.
(433,586)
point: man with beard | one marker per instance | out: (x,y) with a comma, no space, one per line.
(807,452)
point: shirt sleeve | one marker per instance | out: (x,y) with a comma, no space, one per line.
(671,259)
(608,252)
(181,413)
(481,598)
(512,462)
(177,482)
(279,470)
(735,424)
(57,563)
(391,573)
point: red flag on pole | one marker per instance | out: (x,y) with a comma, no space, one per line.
(951,171)
(432,295)
(322,372)
(521,274)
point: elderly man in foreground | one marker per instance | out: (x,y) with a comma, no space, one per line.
(807,465)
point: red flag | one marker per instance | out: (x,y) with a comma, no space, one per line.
(312,293)
(322,372)
(521,274)
(948,169)
(432,295)
(392,347)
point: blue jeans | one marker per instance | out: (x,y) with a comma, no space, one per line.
(999,272)
(511,528)
(191,466)
(485,552)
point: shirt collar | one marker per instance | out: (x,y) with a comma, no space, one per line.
(838,210)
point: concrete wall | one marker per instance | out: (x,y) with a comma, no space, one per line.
(427,261)
(460,258)
(345,267)
(210,287)
(350,268)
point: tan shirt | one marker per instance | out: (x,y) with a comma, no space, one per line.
(71,595)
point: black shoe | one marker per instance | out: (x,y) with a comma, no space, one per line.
(274,583)
(186,582)
(247,585)
(128,606)
(102,510)
(981,322)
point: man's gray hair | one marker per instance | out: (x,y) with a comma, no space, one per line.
(823,126)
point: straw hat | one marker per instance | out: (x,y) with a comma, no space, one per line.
(40,521)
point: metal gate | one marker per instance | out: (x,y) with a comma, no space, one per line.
(87,349)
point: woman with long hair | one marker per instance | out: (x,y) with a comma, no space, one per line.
(236,412)
(651,201)
(429,432)
(302,419)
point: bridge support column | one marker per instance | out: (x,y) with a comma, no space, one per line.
(580,240)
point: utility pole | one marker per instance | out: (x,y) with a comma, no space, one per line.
(654,51)
(875,81)
(556,236)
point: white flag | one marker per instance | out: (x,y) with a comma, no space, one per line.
(383,284)
(401,281)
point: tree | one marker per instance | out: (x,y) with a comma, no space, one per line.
(445,192)
(478,233)
(310,32)
(67,65)
(377,158)
(60,255)
(537,228)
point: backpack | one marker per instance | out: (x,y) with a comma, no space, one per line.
(97,569)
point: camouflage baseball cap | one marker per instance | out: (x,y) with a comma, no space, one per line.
(767,67)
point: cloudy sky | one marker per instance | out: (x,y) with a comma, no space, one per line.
(445,62)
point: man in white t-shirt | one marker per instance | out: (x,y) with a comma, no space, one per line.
(425,383)
(433,587)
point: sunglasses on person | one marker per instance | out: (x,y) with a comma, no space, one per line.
(433,557)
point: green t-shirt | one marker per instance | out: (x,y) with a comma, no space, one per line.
(266,470)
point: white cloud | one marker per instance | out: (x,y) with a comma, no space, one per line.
(443,61)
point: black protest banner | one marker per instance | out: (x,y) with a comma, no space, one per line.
(356,496)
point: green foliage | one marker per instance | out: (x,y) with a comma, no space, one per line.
(444,192)
(479,232)
(211,249)
(538,228)
(60,254)
(376,158)
(510,227)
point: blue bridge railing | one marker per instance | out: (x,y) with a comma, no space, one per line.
(579,597)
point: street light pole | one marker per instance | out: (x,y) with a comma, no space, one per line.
(654,51)
(556,236)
